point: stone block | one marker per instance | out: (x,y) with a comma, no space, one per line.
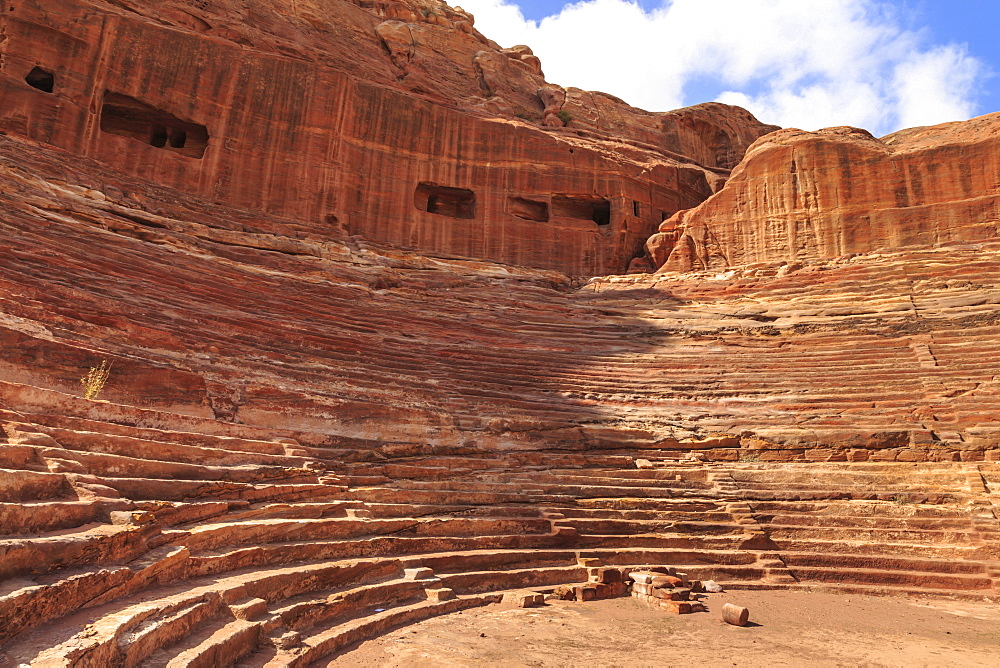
(665,581)
(735,615)
(642,577)
(417,573)
(603,591)
(287,640)
(680,594)
(659,593)
(609,575)
(438,595)
(585,593)
(57,465)
(359,513)
(677,607)
(523,599)
(250,609)
(589,562)
(564,593)
(134,517)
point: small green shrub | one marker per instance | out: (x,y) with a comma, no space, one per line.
(564,116)
(93,382)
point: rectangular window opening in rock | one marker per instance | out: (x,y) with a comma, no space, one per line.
(529,209)
(158,136)
(40,79)
(636,209)
(128,117)
(582,207)
(445,201)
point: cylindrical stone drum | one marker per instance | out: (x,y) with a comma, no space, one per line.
(735,615)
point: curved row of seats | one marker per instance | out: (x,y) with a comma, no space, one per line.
(293,561)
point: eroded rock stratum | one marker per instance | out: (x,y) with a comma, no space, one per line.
(336,255)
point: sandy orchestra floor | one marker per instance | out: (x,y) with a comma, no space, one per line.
(788,629)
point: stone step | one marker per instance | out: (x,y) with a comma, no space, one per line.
(325,642)
(19,485)
(467,582)
(323,608)
(630,527)
(235,558)
(97,442)
(912,579)
(81,546)
(151,489)
(881,562)
(866,522)
(133,634)
(213,645)
(220,534)
(32,518)
(779,532)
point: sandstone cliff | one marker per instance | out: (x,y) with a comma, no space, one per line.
(389,121)
(311,435)
(801,196)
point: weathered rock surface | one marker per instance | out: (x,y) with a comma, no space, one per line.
(301,421)
(396,122)
(801,196)
(309,437)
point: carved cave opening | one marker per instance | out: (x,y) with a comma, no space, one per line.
(445,201)
(128,117)
(529,209)
(40,79)
(582,207)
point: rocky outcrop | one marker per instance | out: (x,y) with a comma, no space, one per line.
(293,423)
(309,436)
(806,196)
(395,122)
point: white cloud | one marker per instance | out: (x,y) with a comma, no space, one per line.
(794,63)
(935,85)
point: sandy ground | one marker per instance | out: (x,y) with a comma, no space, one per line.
(788,629)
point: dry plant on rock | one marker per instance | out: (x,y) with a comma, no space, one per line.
(95,379)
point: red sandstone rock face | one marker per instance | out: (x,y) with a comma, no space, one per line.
(309,437)
(820,195)
(216,312)
(293,422)
(395,122)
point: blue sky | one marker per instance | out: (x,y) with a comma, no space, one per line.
(877,64)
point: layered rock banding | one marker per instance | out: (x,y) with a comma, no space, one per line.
(309,437)
(807,196)
(327,114)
